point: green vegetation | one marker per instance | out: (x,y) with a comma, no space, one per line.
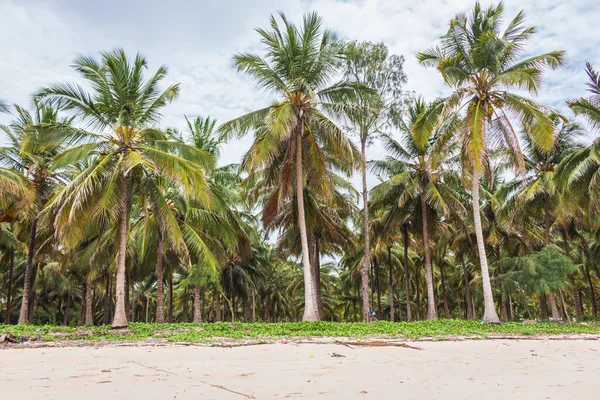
(381,329)
(485,205)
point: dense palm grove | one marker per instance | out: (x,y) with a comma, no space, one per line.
(484,205)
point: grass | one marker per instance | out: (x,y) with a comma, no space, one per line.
(207,332)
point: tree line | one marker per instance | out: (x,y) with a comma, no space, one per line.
(484,206)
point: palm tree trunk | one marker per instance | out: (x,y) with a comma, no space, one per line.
(391,295)
(444,294)
(184,317)
(406,273)
(543,306)
(253,305)
(470,310)
(120,318)
(67,318)
(89,316)
(106,298)
(197,313)
(553,307)
(147,307)
(24,312)
(574,291)
(160,312)
(10,283)
(592,292)
(311,309)
(170,312)
(563,304)
(431,309)
(489,313)
(364,271)
(218,307)
(547,226)
(378,279)
(81,318)
(318,274)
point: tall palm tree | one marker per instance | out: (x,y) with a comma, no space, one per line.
(370,65)
(293,134)
(539,189)
(35,140)
(416,176)
(123,106)
(481,63)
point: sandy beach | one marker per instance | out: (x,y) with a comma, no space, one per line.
(491,369)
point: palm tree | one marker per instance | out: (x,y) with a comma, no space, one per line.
(35,140)
(123,106)
(479,61)
(369,64)
(590,107)
(415,171)
(294,136)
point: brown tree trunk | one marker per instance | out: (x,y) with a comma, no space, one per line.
(160,312)
(147,307)
(317,275)
(89,316)
(553,307)
(470,309)
(253,305)
(120,317)
(543,306)
(378,279)
(592,292)
(563,304)
(170,312)
(24,312)
(574,291)
(364,271)
(489,313)
(106,298)
(81,318)
(431,308)
(218,307)
(444,294)
(391,295)
(67,317)
(197,312)
(10,284)
(311,308)
(406,273)
(184,317)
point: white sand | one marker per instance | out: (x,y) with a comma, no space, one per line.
(492,369)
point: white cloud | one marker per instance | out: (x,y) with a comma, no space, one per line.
(197,39)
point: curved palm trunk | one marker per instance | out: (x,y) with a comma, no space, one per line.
(197,313)
(489,313)
(431,310)
(364,271)
(24,312)
(406,274)
(10,283)
(89,316)
(311,309)
(120,318)
(160,314)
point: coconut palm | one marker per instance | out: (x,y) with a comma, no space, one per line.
(123,106)
(371,65)
(589,107)
(35,140)
(416,169)
(294,136)
(481,63)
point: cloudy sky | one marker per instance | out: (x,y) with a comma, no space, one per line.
(197,39)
